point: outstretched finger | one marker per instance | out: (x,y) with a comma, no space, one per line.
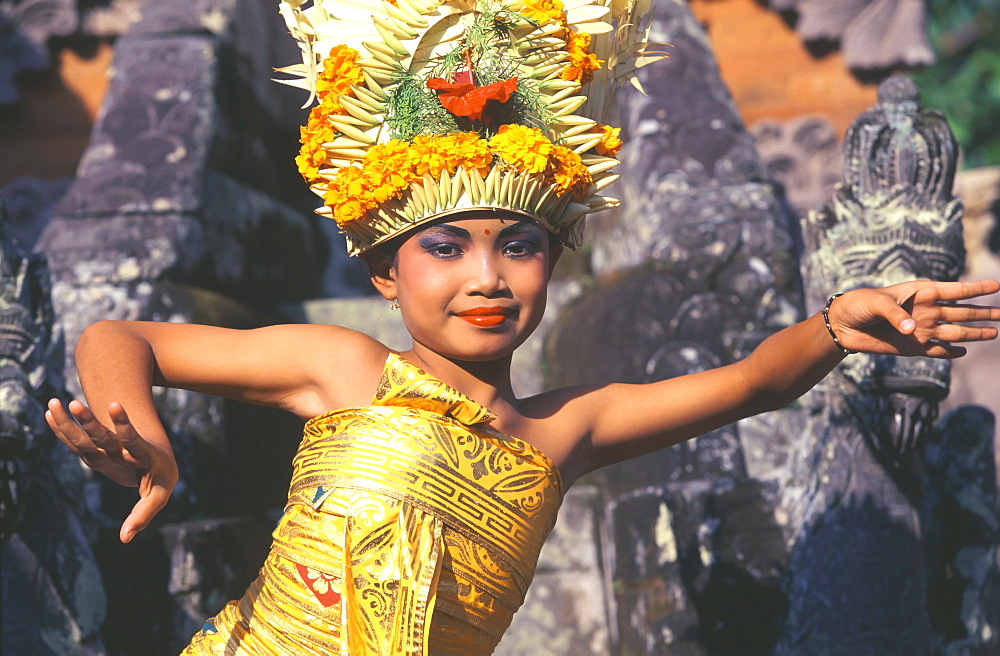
(944,351)
(957,333)
(958,291)
(129,438)
(70,432)
(143,512)
(960,313)
(98,432)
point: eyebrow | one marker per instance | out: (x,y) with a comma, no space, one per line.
(517,227)
(462,233)
(453,230)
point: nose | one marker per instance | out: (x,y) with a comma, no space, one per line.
(485,277)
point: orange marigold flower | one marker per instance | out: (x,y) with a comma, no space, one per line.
(568,173)
(524,148)
(582,62)
(340,71)
(313,135)
(434,154)
(348,195)
(428,158)
(466,149)
(388,169)
(544,11)
(350,210)
(610,142)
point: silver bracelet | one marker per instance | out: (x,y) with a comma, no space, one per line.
(829,328)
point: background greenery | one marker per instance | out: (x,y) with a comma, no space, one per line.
(965,81)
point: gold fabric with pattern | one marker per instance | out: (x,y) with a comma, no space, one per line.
(412,527)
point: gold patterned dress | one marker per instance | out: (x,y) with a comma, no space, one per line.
(412,527)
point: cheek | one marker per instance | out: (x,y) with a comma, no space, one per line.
(532,283)
(420,279)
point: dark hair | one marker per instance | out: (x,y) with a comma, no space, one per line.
(379,259)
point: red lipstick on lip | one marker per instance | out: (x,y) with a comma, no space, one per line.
(485,317)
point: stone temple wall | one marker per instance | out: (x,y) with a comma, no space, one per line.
(181,212)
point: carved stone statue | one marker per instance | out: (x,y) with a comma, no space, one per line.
(856,494)
(804,156)
(893,219)
(873,34)
(52,594)
(694,271)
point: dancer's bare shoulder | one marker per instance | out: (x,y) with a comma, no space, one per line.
(339,367)
(558,423)
(319,368)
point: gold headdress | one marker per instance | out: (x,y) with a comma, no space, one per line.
(429,106)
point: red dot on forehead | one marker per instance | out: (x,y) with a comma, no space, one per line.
(487,231)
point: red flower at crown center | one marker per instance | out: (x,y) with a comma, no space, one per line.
(462,97)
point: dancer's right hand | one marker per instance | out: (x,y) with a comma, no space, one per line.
(120,454)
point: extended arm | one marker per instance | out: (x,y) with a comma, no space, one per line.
(298,368)
(918,318)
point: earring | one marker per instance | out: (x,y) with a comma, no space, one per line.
(394,305)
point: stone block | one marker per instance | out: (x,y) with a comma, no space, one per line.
(152,139)
(251,35)
(193,17)
(211,562)
(149,203)
(697,568)
(240,243)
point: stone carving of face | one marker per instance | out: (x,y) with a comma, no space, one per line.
(893,219)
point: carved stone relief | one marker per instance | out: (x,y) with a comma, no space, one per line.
(107,18)
(51,590)
(41,19)
(855,494)
(873,34)
(804,156)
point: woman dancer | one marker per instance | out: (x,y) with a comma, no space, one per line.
(423,487)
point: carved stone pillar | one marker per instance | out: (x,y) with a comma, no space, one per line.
(174,216)
(694,271)
(873,34)
(51,594)
(856,492)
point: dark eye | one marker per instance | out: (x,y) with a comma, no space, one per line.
(444,251)
(520,248)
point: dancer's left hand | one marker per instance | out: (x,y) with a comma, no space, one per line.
(914,318)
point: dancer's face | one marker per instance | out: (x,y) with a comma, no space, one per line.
(472,288)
